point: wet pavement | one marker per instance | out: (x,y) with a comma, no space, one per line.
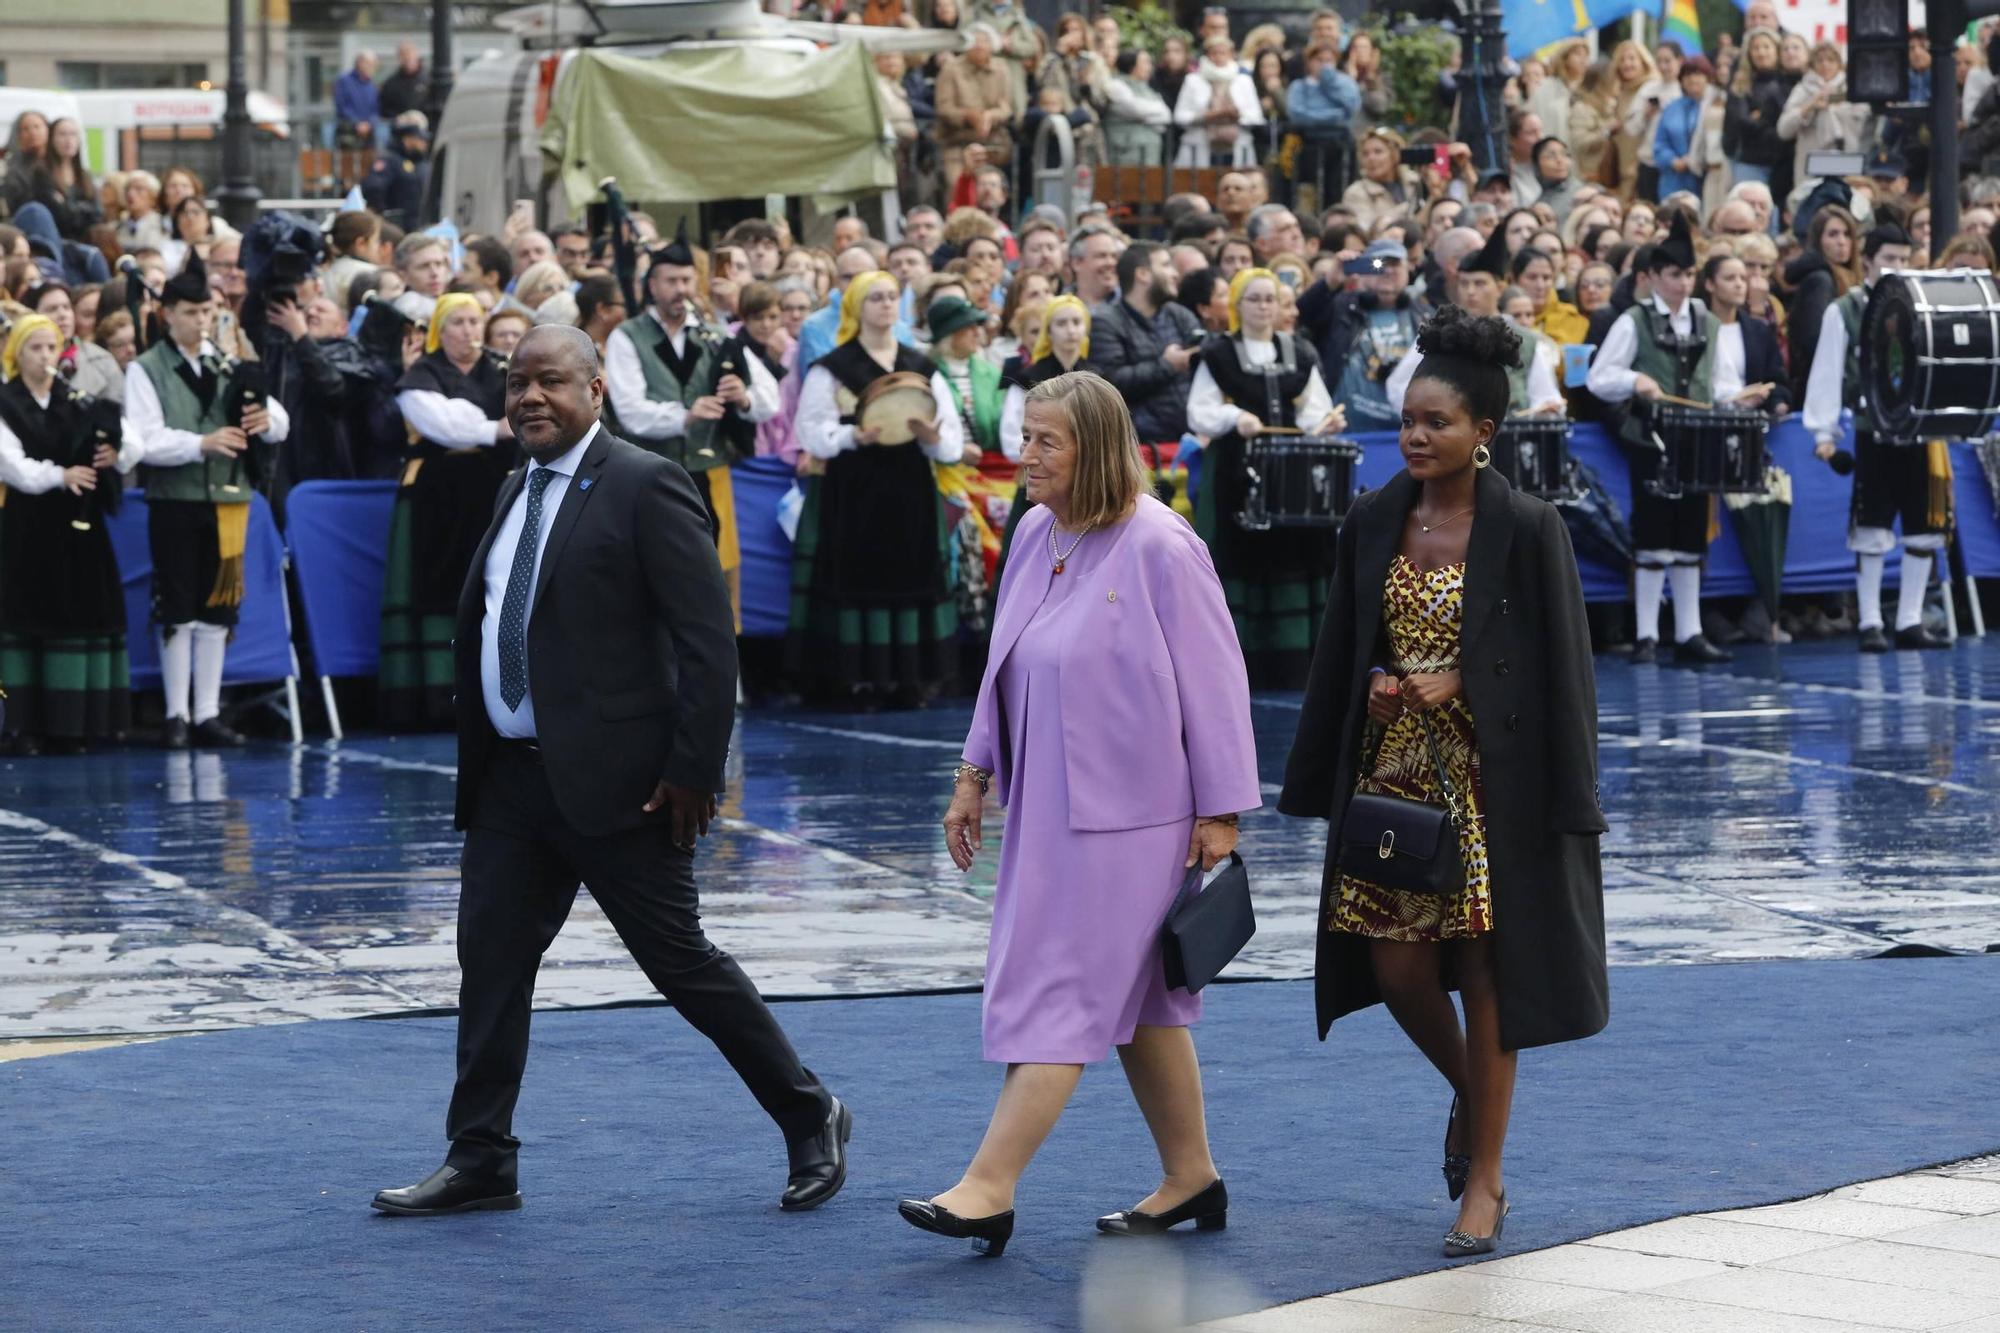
(1808,802)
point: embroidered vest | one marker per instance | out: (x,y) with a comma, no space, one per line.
(1851,307)
(206,477)
(700,448)
(1684,367)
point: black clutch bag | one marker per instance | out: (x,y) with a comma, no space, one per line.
(1207,927)
(1404,844)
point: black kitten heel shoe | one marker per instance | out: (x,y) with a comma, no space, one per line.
(1209,1211)
(989,1235)
(1458,1245)
(1457,1166)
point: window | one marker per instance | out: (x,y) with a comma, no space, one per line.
(92,75)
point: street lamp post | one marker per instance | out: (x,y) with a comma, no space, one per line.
(239,193)
(442,63)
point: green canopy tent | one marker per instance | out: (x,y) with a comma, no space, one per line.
(733,122)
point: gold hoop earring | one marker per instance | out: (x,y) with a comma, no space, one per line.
(1482,456)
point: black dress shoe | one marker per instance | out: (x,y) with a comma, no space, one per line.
(213,735)
(1874,639)
(819,1162)
(1698,651)
(989,1235)
(174,735)
(1459,1245)
(1645,652)
(1208,1209)
(1918,636)
(1457,1166)
(449,1190)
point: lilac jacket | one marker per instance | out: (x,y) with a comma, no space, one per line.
(1155,699)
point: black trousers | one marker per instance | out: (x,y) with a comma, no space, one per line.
(519,876)
(1891,481)
(187,554)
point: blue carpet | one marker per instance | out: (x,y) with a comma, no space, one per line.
(223,1180)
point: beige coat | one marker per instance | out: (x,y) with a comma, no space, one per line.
(962,88)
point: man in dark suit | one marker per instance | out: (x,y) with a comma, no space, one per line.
(596,679)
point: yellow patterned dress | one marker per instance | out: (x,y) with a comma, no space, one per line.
(1423,610)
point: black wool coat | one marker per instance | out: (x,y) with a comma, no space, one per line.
(1525,663)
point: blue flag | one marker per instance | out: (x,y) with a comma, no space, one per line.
(1534,24)
(1597,13)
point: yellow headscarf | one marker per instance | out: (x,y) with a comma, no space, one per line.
(442,311)
(850,303)
(1236,286)
(24,328)
(1042,345)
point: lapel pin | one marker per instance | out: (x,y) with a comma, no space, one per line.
(1111,596)
(584,485)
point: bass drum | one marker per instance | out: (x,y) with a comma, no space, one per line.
(1930,354)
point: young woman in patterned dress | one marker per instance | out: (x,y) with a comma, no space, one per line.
(1456,614)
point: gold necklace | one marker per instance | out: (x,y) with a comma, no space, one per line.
(1060,556)
(1460,514)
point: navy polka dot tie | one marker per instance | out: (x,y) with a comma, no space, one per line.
(514,609)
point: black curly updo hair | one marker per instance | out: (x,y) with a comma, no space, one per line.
(1471,354)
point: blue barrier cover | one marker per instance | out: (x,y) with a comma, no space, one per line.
(260,652)
(339,535)
(766,577)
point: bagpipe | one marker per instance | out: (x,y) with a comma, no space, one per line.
(244,384)
(624,245)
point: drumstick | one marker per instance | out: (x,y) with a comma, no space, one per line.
(1682,402)
(1281,430)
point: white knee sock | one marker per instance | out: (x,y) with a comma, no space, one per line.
(174,647)
(1916,580)
(210,641)
(1868,590)
(1687,601)
(1648,587)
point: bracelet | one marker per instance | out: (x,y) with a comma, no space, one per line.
(979,775)
(1218,819)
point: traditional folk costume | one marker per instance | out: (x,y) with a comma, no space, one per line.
(653,374)
(451,478)
(979,395)
(62,609)
(1042,364)
(872,604)
(198,504)
(1893,479)
(1276,582)
(1678,349)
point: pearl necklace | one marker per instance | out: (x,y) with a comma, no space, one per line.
(1061,557)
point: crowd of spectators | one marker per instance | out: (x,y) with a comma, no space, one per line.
(1603,153)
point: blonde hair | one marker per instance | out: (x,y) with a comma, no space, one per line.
(1109,476)
(1649,66)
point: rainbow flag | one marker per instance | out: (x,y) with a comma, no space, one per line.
(1679,22)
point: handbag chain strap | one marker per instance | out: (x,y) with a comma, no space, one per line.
(1453,809)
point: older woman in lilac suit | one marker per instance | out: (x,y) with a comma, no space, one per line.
(1114,725)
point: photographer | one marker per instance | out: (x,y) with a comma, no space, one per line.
(279,254)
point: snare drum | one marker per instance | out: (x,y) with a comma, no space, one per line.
(1297,481)
(1710,450)
(1533,453)
(1930,354)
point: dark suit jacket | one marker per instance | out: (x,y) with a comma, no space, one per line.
(631,643)
(1524,660)
(1764,363)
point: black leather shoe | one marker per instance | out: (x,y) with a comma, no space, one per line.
(450,1190)
(1645,652)
(174,735)
(819,1162)
(989,1235)
(213,735)
(1917,636)
(1208,1209)
(1458,1245)
(1698,651)
(1457,1166)
(1874,639)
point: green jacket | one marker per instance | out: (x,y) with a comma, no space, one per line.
(207,478)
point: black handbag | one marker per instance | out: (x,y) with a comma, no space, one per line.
(1207,927)
(1404,844)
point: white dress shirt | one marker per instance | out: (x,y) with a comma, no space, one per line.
(645,418)
(1209,413)
(35,476)
(1825,383)
(1541,377)
(822,435)
(1612,377)
(519,724)
(163,446)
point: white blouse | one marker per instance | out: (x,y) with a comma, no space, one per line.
(1209,413)
(35,476)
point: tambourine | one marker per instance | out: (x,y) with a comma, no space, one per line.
(889,403)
